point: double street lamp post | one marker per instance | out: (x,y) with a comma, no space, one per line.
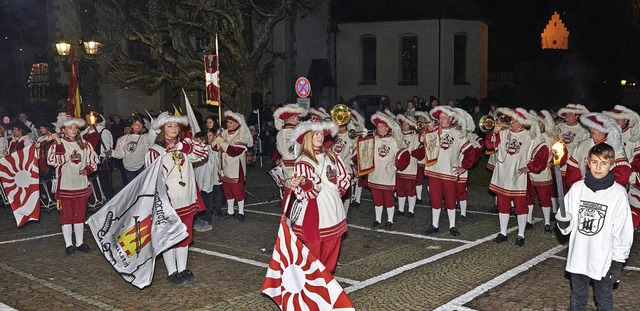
(89,86)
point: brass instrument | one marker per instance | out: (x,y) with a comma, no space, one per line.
(353,134)
(340,114)
(487,122)
(419,126)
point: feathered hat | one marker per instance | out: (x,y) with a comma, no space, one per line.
(545,118)
(21,126)
(319,114)
(285,112)
(390,122)
(573,108)
(297,135)
(65,119)
(243,134)
(620,112)
(423,114)
(525,118)
(604,124)
(401,119)
(435,112)
(465,120)
(165,118)
(358,120)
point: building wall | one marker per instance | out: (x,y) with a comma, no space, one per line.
(435,40)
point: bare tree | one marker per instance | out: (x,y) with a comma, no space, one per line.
(157,43)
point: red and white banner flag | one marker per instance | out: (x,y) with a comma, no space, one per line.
(296,280)
(21,182)
(212,79)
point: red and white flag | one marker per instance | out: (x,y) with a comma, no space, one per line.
(296,280)
(21,181)
(212,79)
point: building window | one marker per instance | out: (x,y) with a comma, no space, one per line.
(460,59)
(409,59)
(368,44)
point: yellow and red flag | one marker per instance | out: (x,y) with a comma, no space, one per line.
(73,96)
(212,79)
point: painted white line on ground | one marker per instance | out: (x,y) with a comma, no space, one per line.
(460,308)
(31,238)
(4,307)
(261,203)
(468,210)
(413,235)
(60,289)
(630,268)
(419,263)
(254,262)
(465,298)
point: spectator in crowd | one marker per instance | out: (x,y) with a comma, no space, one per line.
(411,110)
(399,109)
(21,138)
(33,134)
(131,148)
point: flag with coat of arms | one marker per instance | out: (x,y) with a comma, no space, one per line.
(297,280)
(212,79)
(20,179)
(136,225)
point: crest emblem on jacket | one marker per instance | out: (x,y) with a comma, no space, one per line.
(513,146)
(383,151)
(446,141)
(339,145)
(591,217)
(567,137)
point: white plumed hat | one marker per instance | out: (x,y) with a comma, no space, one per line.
(604,124)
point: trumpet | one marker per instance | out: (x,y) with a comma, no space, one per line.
(487,122)
(353,134)
(340,114)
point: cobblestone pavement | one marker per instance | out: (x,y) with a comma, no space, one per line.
(401,269)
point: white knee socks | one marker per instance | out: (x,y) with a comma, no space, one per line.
(390,211)
(379,214)
(169,257)
(78,229)
(522,224)
(530,214)
(358,193)
(546,211)
(401,201)
(452,217)
(554,205)
(67,235)
(240,207)
(463,208)
(230,206)
(504,222)
(435,214)
(412,204)
(181,258)
(419,192)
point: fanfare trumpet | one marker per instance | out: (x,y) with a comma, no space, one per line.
(487,122)
(353,134)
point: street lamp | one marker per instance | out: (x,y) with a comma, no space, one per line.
(92,47)
(63,48)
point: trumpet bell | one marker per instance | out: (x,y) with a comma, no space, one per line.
(340,114)
(486,123)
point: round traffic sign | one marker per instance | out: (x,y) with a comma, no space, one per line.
(303,87)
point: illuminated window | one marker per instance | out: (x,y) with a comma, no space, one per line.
(555,35)
(460,58)
(409,59)
(368,46)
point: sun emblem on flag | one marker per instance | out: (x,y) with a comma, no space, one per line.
(296,280)
(20,179)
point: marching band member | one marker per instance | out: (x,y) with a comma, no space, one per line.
(344,147)
(388,157)
(233,145)
(21,139)
(406,179)
(102,142)
(43,144)
(318,115)
(131,148)
(286,119)
(74,159)
(444,145)
(177,155)
(4,144)
(320,182)
(602,129)
(542,183)
(629,121)
(359,122)
(571,132)
(423,117)
(465,123)
(518,152)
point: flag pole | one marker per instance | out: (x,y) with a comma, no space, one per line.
(219,87)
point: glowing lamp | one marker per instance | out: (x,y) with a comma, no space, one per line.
(92,47)
(63,48)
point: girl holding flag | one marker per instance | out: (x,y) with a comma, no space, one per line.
(176,155)
(319,182)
